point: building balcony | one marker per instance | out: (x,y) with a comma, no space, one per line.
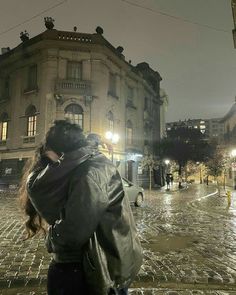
(65,86)
(28,139)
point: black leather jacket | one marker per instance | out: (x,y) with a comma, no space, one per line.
(81,195)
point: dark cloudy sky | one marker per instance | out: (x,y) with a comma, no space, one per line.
(198,64)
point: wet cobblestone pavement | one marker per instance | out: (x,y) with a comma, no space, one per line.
(189,243)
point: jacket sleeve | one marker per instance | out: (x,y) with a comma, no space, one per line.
(85,206)
(46,197)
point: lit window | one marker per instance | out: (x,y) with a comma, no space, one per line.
(3,126)
(129,132)
(31,128)
(74,113)
(31,121)
(74,70)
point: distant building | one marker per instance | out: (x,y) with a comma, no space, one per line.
(199,124)
(216,130)
(82,77)
(212,129)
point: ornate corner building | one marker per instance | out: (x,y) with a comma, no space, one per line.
(82,77)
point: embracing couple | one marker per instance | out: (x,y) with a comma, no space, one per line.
(74,194)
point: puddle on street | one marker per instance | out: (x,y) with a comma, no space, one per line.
(165,243)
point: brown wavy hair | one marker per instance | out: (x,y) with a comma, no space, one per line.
(34,222)
(62,137)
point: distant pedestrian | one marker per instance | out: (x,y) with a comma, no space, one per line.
(168,181)
(91,231)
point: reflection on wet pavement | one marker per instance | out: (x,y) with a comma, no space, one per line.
(189,243)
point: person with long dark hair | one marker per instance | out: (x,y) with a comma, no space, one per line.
(74,194)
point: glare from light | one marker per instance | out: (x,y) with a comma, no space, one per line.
(167,162)
(115,138)
(108,135)
(233,153)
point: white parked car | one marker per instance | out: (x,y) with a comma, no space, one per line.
(134,192)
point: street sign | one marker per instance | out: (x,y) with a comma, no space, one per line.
(233,166)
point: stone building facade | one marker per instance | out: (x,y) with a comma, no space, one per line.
(60,74)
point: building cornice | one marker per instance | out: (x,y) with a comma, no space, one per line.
(69,40)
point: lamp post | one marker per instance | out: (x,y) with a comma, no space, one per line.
(113,139)
(167,162)
(233,165)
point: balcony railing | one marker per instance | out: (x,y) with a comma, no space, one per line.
(73,87)
(28,139)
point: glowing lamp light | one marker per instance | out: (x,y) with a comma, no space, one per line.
(167,162)
(115,138)
(233,153)
(108,135)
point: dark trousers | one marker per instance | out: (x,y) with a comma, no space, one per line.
(68,279)
(65,279)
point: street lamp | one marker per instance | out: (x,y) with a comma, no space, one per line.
(113,138)
(233,165)
(167,162)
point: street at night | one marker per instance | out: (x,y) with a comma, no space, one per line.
(112,98)
(188,238)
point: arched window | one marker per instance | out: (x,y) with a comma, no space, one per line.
(3,126)
(129,132)
(74,113)
(111,121)
(31,115)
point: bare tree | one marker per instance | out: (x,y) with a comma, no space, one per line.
(149,162)
(216,167)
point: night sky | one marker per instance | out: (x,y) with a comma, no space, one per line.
(197,61)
